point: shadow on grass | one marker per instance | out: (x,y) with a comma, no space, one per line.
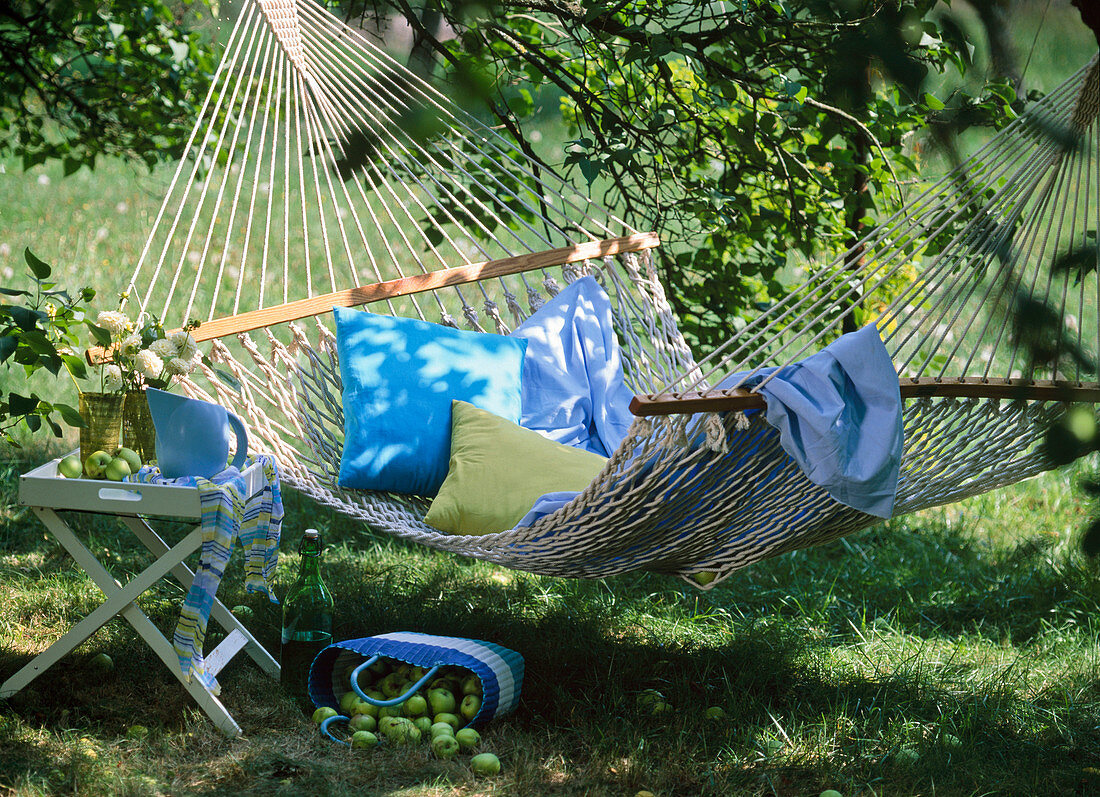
(763,646)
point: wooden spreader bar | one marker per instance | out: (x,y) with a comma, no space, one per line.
(419,283)
(931,387)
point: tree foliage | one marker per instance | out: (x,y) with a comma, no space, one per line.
(743,132)
(84,78)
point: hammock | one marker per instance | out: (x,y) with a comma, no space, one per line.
(306,186)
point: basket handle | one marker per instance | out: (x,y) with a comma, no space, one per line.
(328,721)
(393,701)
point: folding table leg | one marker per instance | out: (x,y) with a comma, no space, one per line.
(218,612)
(120,601)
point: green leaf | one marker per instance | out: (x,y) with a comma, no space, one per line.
(227,378)
(102,336)
(8,345)
(75,365)
(40,269)
(70,415)
(933,102)
(22,405)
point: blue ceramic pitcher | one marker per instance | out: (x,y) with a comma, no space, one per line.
(193,435)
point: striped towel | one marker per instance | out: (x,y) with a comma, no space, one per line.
(228,513)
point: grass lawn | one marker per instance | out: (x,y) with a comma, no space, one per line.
(954,652)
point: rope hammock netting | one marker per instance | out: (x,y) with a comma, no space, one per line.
(265,228)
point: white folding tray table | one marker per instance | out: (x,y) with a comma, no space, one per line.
(134,504)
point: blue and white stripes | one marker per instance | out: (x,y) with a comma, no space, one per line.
(227,513)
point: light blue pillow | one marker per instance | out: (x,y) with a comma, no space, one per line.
(400,376)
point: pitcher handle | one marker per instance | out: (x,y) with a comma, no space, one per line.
(242,439)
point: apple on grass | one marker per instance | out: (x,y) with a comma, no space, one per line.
(485,764)
(424,724)
(445,746)
(362,722)
(468,738)
(323,713)
(95,464)
(363,740)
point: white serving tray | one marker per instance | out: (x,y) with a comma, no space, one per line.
(44,487)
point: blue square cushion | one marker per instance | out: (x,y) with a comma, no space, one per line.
(400,376)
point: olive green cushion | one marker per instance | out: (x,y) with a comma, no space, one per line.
(498,469)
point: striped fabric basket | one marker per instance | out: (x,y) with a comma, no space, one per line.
(500,669)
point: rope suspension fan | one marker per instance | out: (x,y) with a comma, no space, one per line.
(266,226)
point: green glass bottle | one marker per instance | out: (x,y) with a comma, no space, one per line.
(307,620)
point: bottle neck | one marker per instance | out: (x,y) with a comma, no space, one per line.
(310,549)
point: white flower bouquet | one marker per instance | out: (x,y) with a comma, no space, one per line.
(143,356)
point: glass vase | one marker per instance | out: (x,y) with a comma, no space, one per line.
(138,432)
(102,414)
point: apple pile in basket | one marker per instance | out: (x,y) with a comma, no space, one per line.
(436,715)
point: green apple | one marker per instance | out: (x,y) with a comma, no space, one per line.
(716,713)
(117,469)
(365,679)
(442,701)
(468,738)
(70,467)
(137,732)
(390,711)
(471,704)
(393,685)
(448,718)
(830,793)
(416,673)
(346,702)
(425,725)
(95,464)
(380,667)
(647,698)
(485,764)
(445,746)
(242,612)
(773,747)
(415,706)
(907,756)
(131,457)
(102,662)
(471,685)
(323,713)
(362,722)
(364,739)
(360,706)
(404,733)
(441,729)
(385,723)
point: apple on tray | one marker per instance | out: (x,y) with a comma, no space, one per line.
(96,464)
(70,467)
